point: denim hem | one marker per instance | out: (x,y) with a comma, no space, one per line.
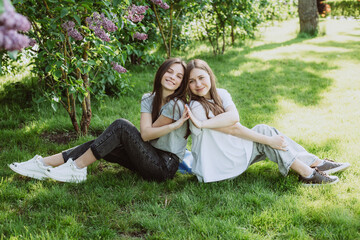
(95,152)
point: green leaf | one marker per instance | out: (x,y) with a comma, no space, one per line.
(57,74)
(50,44)
(64,12)
(58,63)
(86,6)
(80,98)
(78,63)
(116,2)
(91,62)
(48,68)
(13,54)
(77,18)
(123,58)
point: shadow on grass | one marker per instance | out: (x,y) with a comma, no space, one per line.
(257,89)
(353,48)
(270,46)
(246,49)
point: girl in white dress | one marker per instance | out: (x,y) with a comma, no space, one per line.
(222,148)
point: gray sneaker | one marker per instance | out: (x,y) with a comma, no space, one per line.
(330,166)
(318,178)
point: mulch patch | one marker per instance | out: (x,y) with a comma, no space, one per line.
(65,137)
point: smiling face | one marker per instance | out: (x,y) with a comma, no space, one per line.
(200,83)
(173,77)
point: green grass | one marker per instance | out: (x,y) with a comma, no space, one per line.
(306,87)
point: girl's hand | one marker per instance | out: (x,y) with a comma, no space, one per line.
(278,142)
(193,119)
(184,118)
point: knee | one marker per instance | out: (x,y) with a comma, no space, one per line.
(262,127)
(121,123)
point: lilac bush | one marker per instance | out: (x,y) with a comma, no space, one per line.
(81,53)
(10,23)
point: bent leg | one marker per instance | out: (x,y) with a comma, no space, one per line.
(140,156)
(284,159)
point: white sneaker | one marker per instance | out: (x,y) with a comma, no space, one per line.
(67,172)
(33,168)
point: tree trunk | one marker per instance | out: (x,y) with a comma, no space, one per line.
(308,15)
(72,114)
(161,31)
(86,104)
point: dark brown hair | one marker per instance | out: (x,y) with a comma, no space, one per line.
(215,107)
(179,94)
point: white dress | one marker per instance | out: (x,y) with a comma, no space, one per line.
(217,156)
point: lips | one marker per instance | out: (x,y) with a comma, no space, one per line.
(200,89)
(167,80)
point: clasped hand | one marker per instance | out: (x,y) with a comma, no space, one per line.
(180,121)
(197,123)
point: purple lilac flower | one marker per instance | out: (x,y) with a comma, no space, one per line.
(118,67)
(100,33)
(108,24)
(71,31)
(10,23)
(15,21)
(8,7)
(32,42)
(136,13)
(97,21)
(11,40)
(140,36)
(75,34)
(68,25)
(164,5)
(160,3)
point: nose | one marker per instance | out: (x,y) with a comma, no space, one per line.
(197,83)
(172,75)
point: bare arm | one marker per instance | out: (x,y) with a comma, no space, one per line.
(162,121)
(160,127)
(226,119)
(238,130)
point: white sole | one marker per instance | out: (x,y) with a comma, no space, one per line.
(60,179)
(338,169)
(26,174)
(319,184)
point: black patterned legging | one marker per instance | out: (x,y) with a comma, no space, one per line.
(121,143)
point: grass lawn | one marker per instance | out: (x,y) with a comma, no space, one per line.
(308,88)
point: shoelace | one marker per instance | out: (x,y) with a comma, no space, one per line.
(321,172)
